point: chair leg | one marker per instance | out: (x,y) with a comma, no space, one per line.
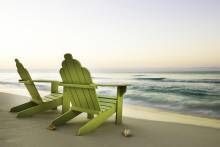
(96,122)
(120,92)
(65,105)
(90,116)
(22,107)
(55,108)
(63,119)
(40,108)
(118,119)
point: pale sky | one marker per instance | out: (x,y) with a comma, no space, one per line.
(110,33)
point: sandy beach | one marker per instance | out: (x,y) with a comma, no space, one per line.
(150,128)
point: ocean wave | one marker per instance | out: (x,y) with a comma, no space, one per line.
(179,90)
(215,81)
(9,83)
(154,98)
(151,79)
(213,105)
(19,85)
(138,75)
(156,90)
(177,103)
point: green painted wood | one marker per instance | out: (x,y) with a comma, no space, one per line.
(75,79)
(54,87)
(25,76)
(52,96)
(66,100)
(23,107)
(74,68)
(25,82)
(79,90)
(104,108)
(96,122)
(38,104)
(114,101)
(46,81)
(46,99)
(106,104)
(90,86)
(39,108)
(57,94)
(69,93)
(90,116)
(91,93)
(65,117)
(107,97)
(120,92)
(81,99)
(90,111)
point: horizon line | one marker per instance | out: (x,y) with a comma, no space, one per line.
(137,69)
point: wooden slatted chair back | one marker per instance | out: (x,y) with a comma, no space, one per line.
(82,99)
(25,76)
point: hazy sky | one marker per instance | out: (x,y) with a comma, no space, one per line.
(110,33)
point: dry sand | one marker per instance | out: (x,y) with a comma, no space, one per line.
(150,128)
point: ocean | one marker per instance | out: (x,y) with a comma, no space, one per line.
(194,93)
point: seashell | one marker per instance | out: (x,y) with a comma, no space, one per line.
(126,132)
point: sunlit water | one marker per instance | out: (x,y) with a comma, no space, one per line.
(192,93)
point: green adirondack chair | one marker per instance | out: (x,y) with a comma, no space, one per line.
(80,91)
(37,104)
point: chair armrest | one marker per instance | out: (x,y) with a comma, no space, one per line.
(45,81)
(54,84)
(39,81)
(25,81)
(121,89)
(91,86)
(112,85)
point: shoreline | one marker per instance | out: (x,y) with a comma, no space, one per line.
(157,114)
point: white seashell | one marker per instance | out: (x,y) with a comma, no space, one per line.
(126,132)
